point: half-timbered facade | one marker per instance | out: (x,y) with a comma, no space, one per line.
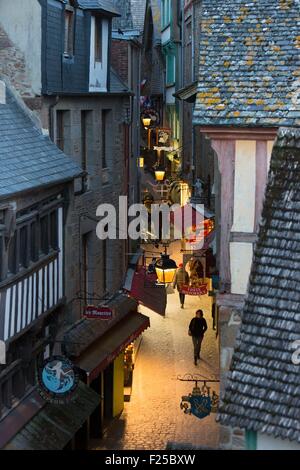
(248,87)
(37,182)
(32,266)
(262,393)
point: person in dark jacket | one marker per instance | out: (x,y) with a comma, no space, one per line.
(182,278)
(197,329)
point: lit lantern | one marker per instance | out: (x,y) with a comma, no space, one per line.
(160,173)
(146,122)
(165,269)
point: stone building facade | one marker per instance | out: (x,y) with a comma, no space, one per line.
(80,101)
(74,117)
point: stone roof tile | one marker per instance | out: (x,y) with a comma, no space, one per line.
(28,158)
(249,71)
(263,388)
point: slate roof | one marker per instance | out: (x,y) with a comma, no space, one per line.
(138,8)
(156,15)
(85,332)
(249,73)
(116,84)
(263,389)
(28,159)
(103,5)
(55,425)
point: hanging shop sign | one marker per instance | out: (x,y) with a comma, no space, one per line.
(57,379)
(102,313)
(150,113)
(199,290)
(163,137)
(162,147)
(200,402)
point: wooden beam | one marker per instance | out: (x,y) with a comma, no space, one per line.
(261,179)
(231,300)
(243,237)
(226,158)
(239,133)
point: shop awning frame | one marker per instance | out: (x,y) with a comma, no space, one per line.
(142,286)
(104,351)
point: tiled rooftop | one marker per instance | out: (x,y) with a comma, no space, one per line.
(28,158)
(263,389)
(249,63)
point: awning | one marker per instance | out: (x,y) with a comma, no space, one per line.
(109,346)
(142,287)
(194,223)
(188,93)
(55,425)
(82,334)
(190,211)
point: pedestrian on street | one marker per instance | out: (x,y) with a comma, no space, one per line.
(182,278)
(197,329)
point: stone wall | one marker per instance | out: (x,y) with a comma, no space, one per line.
(119,58)
(12,65)
(229,325)
(81,217)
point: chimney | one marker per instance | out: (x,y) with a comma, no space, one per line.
(2,92)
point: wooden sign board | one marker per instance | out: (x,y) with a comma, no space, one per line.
(102,313)
(200,290)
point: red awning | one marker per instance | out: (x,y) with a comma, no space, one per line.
(190,213)
(195,224)
(143,288)
(96,358)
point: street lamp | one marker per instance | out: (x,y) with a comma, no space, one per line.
(160,173)
(159,170)
(165,269)
(146,122)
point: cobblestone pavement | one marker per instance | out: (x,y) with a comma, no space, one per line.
(153,418)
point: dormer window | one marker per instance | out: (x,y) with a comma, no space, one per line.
(98,40)
(99,52)
(69,30)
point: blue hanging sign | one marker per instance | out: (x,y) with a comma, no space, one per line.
(200,406)
(199,403)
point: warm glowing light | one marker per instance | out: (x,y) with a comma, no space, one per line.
(146,122)
(165,270)
(201,231)
(185,193)
(140,162)
(165,276)
(160,175)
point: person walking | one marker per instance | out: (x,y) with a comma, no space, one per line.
(182,278)
(197,329)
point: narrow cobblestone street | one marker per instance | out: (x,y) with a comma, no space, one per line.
(153,418)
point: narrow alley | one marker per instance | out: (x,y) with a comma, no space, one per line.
(153,418)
